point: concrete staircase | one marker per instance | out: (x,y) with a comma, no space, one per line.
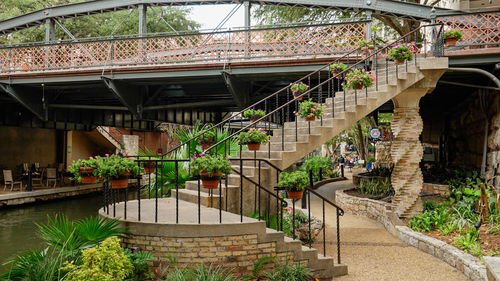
(287,147)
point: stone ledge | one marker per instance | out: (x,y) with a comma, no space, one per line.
(493,268)
(382,212)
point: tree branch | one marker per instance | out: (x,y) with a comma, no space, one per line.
(390,22)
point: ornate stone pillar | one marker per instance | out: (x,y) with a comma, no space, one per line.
(407,151)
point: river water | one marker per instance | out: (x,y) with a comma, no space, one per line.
(18,231)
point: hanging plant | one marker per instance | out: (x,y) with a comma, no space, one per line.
(208,138)
(253,138)
(310,110)
(254,114)
(210,168)
(294,183)
(452,37)
(298,89)
(366,46)
(401,52)
(336,68)
(117,170)
(358,79)
(85,170)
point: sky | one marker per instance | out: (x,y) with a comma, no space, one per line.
(209,16)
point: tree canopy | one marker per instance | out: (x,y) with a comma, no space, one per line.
(125,22)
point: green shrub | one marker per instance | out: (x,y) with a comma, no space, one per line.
(468,242)
(295,181)
(430,205)
(92,162)
(104,262)
(448,228)
(403,51)
(290,272)
(140,265)
(315,163)
(375,187)
(298,88)
(430,220)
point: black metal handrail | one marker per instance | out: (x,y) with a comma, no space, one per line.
(311,89)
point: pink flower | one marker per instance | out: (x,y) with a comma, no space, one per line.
(131,158)
(107,155)
(91,157)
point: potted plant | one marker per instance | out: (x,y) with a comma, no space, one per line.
(309,110)
(298,89)
(336,68)
(294,183)
(210,168)
(85,170)
(366,46)
(401,52)
(254,114)
(452,36)
(149,167)
(208,138)
(253,138)
(358,79)
(117,170)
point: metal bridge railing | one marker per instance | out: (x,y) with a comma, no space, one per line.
(215,47)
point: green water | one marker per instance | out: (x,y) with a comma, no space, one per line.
(18,229)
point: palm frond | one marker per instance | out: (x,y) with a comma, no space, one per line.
(93,230)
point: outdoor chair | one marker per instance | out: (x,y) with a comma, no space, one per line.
(9,180)
(52,176)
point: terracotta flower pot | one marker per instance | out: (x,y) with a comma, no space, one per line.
(149,167)
(399,61)
(294,194)
(310,118)
(253,146)
(253,120)
(210,182)
(358,86)
(121,181)
(450,41)
(366,52)
(87,175)
(296,95)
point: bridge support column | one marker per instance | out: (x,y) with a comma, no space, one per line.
(50,31)
(143,30)
(407,152)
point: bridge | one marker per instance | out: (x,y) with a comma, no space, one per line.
(181,77)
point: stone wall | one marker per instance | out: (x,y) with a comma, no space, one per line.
(235,252)
(382,212)
(441,189)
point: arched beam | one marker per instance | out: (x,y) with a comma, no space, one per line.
(383,7)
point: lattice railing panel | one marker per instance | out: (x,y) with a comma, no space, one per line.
(481,28)
(203,47)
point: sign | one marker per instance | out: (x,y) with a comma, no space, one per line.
(375,133)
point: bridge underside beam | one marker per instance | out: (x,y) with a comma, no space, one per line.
(128,94)
(384,7)
(239,89)
(25,100)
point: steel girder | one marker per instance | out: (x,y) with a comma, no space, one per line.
(26,100)
(384,7)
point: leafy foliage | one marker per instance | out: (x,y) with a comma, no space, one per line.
(210,164)
(92,162)
(430,220)
(139,262)
(299,88)
(315,163)
(468,242)
(106,261)
(356,78)
(114,165)
(401,51)
(375,187)
(253,136)
(309,109)
(453,34)
(290,272)
(254,113)
(257,267)
(337,67)
(295,181)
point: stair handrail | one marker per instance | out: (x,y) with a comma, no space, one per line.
(275,94)
(233,117)
(311,89)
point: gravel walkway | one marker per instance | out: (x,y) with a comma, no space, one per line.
(372,253)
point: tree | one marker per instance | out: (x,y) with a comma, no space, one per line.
(277,14)
(124,22)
